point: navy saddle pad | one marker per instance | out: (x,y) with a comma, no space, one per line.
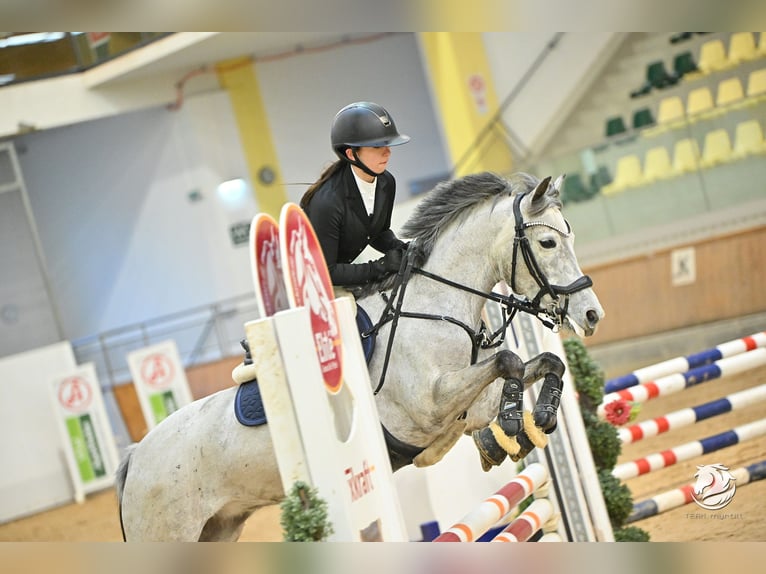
(248,405)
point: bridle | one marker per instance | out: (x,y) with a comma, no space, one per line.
(557,311)
(552,315)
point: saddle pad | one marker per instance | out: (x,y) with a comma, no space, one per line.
(248,405)
(364,323)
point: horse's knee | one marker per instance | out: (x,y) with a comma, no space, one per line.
(553,364)
(509,365)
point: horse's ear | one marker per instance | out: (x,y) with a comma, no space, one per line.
(559,183)
(541,188)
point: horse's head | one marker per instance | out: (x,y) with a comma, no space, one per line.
(539,262)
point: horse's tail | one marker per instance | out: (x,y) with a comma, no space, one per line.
(119,483)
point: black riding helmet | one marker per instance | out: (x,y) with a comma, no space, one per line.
(364,124)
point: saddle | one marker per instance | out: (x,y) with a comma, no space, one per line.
(248,405)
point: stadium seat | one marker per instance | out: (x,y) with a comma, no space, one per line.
(742,48)
(657,164)
(599,179)
(627,174)
(699,103)
(729,92)
(748,139)
(658,76)
(670,111)
(615,126)
(685,67)
(756,84)
(642,118)
(712,57)
(686,156)
(574,189)
(716,149)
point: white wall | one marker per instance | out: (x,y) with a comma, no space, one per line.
(123,241)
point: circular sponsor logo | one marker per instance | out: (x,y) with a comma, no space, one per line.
(75,394)
(715,486)
(157,371)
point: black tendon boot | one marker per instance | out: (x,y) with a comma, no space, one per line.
(509,416)
(548,403)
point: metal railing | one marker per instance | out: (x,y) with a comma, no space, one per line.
(202,334)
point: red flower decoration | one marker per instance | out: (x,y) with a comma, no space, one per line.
(617,412)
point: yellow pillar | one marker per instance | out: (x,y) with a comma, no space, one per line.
(461,82)
(239,79)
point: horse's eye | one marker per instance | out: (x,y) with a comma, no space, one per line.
(548,243)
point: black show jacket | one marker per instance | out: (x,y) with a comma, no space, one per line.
(344,229)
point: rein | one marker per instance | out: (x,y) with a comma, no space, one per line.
(510,304)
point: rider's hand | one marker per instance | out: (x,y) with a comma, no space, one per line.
(391,261)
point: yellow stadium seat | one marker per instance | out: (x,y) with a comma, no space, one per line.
(686,156)
(729,92)
(699,102)
(756,84)
(748,139)
(717,148)
(657,164)
(627,174)
(712,57)
(742,48)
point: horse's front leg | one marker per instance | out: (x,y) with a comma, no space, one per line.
(517,433)
(455,391)
(550,368)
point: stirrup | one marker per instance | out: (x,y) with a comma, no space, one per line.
(509,416)
(548,402)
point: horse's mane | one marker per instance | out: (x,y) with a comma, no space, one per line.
(452,201)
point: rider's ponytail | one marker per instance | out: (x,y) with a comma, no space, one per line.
(327,174)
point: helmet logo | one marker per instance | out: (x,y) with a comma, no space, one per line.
(385,120)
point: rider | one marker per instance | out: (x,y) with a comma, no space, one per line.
(350,205)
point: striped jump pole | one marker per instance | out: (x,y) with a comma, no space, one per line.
(680,381)
(689,450)
(683,364)
(492,509)
(691,415)
(683,495)
(527,523)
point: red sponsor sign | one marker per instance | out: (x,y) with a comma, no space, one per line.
(266,263)
(157,371)
(308,284)
(75,394)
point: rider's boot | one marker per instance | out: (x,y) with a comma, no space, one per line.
(548,403)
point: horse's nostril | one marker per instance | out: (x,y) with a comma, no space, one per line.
(592,316)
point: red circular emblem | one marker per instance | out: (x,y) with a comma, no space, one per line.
(157,371)
(75,394)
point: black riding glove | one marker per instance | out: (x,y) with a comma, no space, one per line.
(391,261)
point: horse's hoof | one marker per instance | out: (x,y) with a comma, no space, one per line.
(509,416)
(548,403)
(491,453)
